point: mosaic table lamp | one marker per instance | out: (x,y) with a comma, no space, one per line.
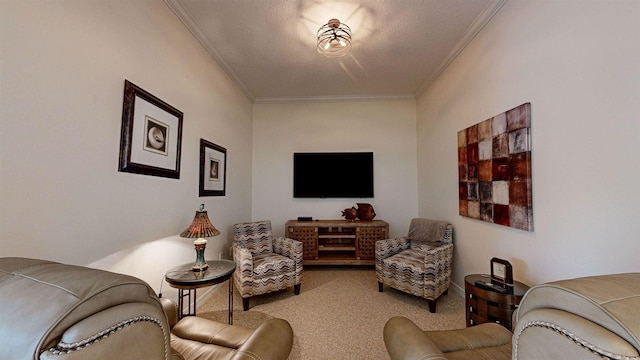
(199,229)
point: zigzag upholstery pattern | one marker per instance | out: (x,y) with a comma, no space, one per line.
(263,263)
(420,266)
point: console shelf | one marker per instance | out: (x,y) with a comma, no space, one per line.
(338,242)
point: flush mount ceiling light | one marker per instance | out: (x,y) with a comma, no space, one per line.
(334,39)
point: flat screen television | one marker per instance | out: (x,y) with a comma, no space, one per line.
(333,175)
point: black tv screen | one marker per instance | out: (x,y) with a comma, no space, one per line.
(333,175)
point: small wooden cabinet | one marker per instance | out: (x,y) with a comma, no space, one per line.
(485,305)
(337,242)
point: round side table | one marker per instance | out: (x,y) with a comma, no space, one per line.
(187,281)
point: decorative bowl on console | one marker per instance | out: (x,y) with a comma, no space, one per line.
(365,212)
(350,214)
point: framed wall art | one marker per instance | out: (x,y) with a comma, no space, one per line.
(151,134)
(494,169)
(213,169)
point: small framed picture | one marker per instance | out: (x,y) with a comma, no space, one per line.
(213,169)
(151,134)
(501,272)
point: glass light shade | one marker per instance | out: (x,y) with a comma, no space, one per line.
(334,39)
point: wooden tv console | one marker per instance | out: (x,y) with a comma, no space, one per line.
(337,242)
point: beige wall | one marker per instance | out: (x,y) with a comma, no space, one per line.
(63,69)
(385,127)
(578,63)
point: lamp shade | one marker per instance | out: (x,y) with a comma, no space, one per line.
(200,227)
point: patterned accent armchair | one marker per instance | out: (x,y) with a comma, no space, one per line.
(264,264)
(420,263)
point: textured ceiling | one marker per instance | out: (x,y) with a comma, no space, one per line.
(399,46)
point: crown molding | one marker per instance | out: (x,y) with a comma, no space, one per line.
(187,20)
(478,24)
(332,98)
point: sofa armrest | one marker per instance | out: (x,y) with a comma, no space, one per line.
(127,331)
(567,335)
(171,310)
(89,313)
(611,301)
(404,340)
(271,340)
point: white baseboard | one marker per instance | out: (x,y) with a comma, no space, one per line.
(457,288)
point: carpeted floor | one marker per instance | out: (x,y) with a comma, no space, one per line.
(339,313)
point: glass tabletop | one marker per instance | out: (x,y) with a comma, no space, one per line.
(183,276)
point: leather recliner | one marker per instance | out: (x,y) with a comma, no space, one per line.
(593,317)
(64,312)
(197,338)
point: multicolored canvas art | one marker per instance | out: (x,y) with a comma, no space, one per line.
(494,169)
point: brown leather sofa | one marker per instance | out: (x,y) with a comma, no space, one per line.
(595,317)
(56,311)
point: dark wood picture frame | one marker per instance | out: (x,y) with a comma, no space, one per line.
(151,134)
(213,169)
(501,272)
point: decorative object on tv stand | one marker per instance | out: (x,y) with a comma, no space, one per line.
(494,169)
(365,212)
(350,214)
(199,229)
(334,39)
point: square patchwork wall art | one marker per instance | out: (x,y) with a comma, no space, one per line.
(494,169)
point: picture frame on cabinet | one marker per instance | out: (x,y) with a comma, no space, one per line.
(213,169)
(501,272)
(150,136)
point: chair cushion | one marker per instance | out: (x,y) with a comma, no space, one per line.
(483,336)
(206,331)
(422,248)
(502,352)
(271,264)
(409,263)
